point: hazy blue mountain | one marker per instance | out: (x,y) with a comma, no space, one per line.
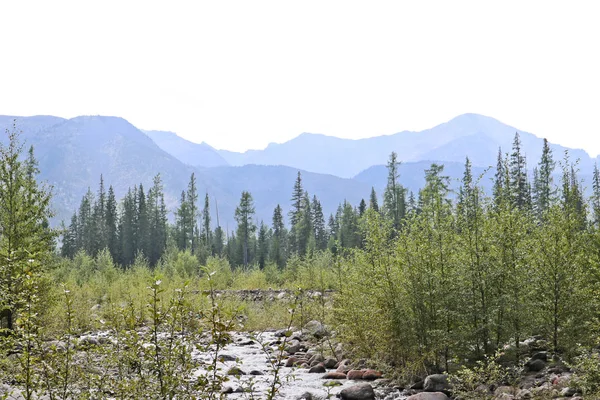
(473,135)
(198,155)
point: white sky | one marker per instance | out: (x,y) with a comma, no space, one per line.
(241,74)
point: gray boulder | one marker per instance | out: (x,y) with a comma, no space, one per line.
(535,365)
(436,383)
(316,329)
(363,391)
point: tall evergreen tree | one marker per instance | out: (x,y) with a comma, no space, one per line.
(297,201)
(157,221)
(499,190)
(243,215)
(318,223)
(543,186)
(192,199)
(26,240)
(519,184)
(263,245)
(596,196)
(182,223)
(394,195)
(278,248)
(127,228)
(373,204)
(111,223)
(362,207)
(206,232)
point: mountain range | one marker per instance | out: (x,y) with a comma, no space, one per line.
(73,153)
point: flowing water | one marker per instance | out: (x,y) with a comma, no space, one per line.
(252,359)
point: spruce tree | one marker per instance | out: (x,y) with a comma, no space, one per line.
(243,215)
(206,232)
(111,223)
(362,207)
(519,184)
(263,245)
(192,199)
(278,248)
(543,186)
(595,200)
(394,195)
(499,190)
(373,203)
(320,231)
(26,241)
(157,220)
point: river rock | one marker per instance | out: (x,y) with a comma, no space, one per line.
(429,396)
(236,371)
(436,383)
(371,375)
(226,357)
(334,375)
(364,391)
(305,396)
(316,329)
(317,369)
(291,361)
(330,363)
(294,347)
(355,374)
(535,365)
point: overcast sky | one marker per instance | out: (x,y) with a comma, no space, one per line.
(241,74)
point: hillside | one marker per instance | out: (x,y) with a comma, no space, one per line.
(195,154)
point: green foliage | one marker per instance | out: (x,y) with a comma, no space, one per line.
(474,383)
(586,370)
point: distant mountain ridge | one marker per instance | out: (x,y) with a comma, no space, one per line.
(195,154)
(473,135)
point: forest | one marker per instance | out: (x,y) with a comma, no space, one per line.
(424,282)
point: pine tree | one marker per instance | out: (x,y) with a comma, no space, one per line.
(99,217)
(263,245)
(362,207)
(596,197)
(206,232)
(278,253)
(111,223)
(157,220)
(297,201)
(394,195)
(26,241)
(499,190)
(142,228)
(192,199)
(318,223)
(127,228)
(243,215)
(543,187)
(69,247)
(519,184)
(373,204)
(182,222)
